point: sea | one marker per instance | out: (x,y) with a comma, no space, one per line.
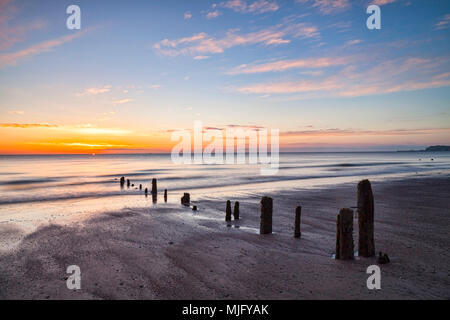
(52,185)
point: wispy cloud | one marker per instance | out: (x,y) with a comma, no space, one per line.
(122,101)
(201,57)
(16,112)
(353,42)
(201,44)
(213,14)
(359,132)
(382,2)
(27,125)
(8,59)
(187,15)
(12,34)
(256,7)
(443,23)
(95,90)
(328,6)
(408,74)
(83,129)
(284,65)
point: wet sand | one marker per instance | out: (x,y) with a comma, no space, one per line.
(169,252)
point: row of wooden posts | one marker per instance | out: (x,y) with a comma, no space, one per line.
(344,222)
(154,191)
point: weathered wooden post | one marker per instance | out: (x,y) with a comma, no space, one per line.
(236,210)
(344,235)
(298,213)
(165,195)
(266,215)
(154,187)
(228,211)
(186,199)
(366,242)
(194,208)
(128,183)
(140,187)
(122,181)
(146,191)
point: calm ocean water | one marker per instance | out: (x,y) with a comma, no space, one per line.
(84,183)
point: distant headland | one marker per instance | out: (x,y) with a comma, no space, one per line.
(429,149)
(438,148)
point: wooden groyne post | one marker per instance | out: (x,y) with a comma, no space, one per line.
(154,187)
(122,181)
(165,195)
(266,215)
(186,199)
(128,183)
(236,210)
(366,242)
(228,211)
(298,213)
(344,235)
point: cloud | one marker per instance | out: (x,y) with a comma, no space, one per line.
(27,125)
(213,14)
(8,59)
(444,23)
(16,112)
(154,86)
(403,74)
(328,6)
(122,101)
(291,87)
(353,42)
(284,65)
(359,132)
(382,2)
(201,57)
(95,90)
(85,129)
(187,15)
(262,6)
(202,44)
(81,144)
(256,7)
(10,35)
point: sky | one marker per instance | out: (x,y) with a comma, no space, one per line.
(138,70)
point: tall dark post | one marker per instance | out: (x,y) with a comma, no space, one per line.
(228,211)
(154,187)
(186,199)
(165,195)
(366,242)
(128,183)
(236,210)
(344,235)
(298,213)
(266,215)
(122,181)
(146,191)
(140,187)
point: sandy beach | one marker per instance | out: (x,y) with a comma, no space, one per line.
(167,251)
